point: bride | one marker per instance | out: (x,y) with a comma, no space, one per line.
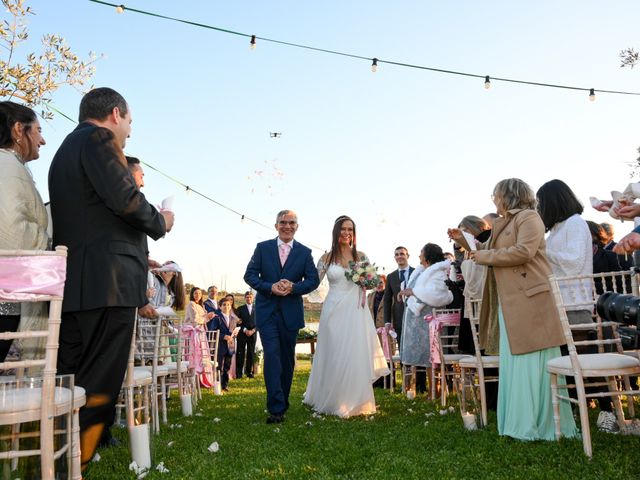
(348,356)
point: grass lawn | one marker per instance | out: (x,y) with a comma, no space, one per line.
(406,439)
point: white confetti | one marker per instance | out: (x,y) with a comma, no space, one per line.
(170,443)
(96,457)
(443,412)
(451,409)
(142,475)
(410,410)
(426,423)
(214,447)
(276,430)
(431,414)
(216,420)
(161,468)
(309,424)
(199,414)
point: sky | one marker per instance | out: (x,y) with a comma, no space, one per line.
(405,152)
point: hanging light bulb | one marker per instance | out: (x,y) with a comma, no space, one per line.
(120,9)
(187,189)
(487,82)
(252,44)
(592,95)
(242,219)
(374,65)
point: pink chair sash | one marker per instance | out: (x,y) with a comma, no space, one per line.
(193,346)
(384,335)
(24,278)
(435,325)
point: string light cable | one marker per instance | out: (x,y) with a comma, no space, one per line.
(243,217)
(375,62)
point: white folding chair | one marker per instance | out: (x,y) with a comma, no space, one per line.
(582,367)
(472,367)
(38,276)
(448,321)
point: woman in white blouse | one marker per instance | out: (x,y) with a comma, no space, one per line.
(568,246)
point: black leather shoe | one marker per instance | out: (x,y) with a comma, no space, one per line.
(275,418)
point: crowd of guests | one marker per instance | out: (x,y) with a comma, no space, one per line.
(90,178)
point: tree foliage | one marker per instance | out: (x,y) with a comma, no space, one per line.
(629,57)
(35,80)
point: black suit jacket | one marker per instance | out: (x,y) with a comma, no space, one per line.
(393,310)
(248,320)
(103,219)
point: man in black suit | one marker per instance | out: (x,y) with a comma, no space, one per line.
(246,337)
(394,309)
(100,215)
(625,261)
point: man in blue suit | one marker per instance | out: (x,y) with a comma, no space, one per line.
(281,271)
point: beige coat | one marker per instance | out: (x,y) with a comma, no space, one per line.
(516,253)
(379,319)
(23,225)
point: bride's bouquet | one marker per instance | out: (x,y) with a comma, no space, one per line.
(365,275)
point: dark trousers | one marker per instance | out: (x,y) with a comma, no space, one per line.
(279,344)
(8,323)
(94,345)
(248,345)
(224,364)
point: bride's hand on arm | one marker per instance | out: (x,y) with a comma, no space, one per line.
(407,292)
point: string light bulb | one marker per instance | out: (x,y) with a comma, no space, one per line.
(188,190)
(592,95)
(120,9)
(374,65)
(487,82)
(242,219)
(252,43)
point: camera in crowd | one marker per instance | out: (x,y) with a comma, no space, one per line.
(624,309)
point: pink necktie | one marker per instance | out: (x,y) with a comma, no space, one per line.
(284,253)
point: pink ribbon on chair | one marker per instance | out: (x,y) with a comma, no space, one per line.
(194,357)
(24,278)
(384,335)
(435,325)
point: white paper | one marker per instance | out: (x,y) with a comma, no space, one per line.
(167,203)
(236,331)
(470,240)
(166,312)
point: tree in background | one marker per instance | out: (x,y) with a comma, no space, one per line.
(35,81)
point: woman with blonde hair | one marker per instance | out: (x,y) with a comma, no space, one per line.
(517,292)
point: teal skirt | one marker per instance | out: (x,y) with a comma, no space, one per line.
(525,410)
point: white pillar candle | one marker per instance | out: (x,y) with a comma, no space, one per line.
(469,420)
(139,441)
(411,394)
(216,388)
(187,407)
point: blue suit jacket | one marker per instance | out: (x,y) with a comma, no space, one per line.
(264,270)
(208,306)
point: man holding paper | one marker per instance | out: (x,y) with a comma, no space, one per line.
(103,219)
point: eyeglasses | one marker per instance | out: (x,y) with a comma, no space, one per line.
(285,222)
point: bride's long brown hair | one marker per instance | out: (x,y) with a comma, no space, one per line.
(335,235)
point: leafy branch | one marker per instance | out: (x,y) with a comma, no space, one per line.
(42,74)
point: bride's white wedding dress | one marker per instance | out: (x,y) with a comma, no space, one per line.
(348,356)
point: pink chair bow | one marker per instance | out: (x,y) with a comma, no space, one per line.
(194,354)
(25,278)
(384,335)
(435,325)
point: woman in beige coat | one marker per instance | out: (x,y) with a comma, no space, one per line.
(519,308)
(23,218)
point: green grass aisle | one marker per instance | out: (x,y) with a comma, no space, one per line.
(406,439)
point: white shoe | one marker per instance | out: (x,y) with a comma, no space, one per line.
(607,422)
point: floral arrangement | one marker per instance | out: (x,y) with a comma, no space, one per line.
(307,333)
(364,274)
